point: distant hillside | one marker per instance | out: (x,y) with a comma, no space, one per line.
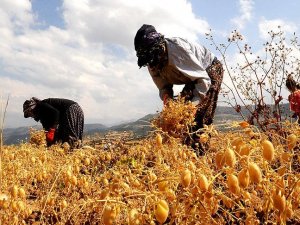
(94,128)
(140,127)
(21,134)
(230,112)
(17,135)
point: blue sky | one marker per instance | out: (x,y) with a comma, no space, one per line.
(48,12)
(83,50)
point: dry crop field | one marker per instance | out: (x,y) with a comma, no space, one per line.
(246,177)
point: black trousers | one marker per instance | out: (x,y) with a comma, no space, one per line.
(71,126)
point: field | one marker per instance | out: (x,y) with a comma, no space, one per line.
(245,177)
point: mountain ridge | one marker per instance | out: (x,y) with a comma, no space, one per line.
(139,127)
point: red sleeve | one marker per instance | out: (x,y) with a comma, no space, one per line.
(294,100)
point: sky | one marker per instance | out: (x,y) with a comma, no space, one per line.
(83,50)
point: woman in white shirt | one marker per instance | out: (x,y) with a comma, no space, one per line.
(176,61)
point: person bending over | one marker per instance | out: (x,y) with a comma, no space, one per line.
(177,61)
(62,119)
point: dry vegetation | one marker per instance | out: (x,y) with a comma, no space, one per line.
(246,177)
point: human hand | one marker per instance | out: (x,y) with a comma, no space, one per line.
(166,99)
(50,135)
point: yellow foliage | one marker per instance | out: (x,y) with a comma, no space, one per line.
(153,180)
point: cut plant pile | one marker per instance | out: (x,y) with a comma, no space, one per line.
(246,177)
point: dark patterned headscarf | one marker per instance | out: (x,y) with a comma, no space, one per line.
(29,106)
(291,84)
(148,45)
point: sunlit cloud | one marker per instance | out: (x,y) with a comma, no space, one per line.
(246,11)
(275,25)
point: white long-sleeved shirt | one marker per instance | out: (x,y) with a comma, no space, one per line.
(187,62)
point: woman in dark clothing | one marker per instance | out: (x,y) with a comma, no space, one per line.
(62,119)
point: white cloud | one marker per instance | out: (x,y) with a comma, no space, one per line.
(275,25)
(91,60)
(117,21)
(246,10)
(16,15)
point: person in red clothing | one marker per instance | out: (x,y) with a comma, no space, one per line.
(294,97)
(62,119)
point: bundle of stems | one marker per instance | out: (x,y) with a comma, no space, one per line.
(3,109)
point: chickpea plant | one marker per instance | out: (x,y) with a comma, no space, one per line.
(248,175)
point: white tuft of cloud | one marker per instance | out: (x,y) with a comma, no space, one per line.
(117,21)
(276,25)
(16,15)
(246,10)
